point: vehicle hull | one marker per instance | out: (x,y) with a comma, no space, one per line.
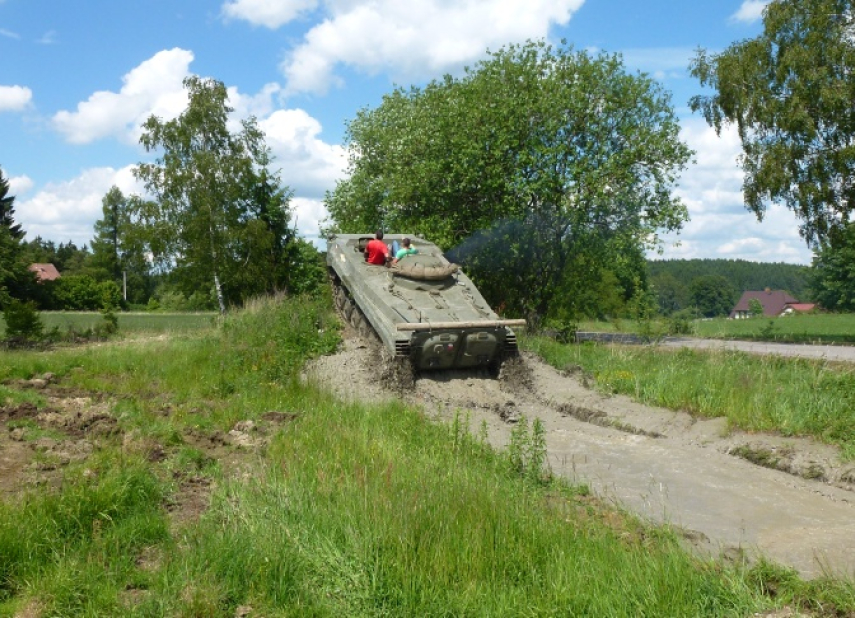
(437,323)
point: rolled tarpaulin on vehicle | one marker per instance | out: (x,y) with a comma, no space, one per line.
(473,324)
(413,269)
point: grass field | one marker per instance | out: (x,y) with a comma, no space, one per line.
(812,328)
(348,510)
(129,323)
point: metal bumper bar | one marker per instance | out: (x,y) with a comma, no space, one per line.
(443,325)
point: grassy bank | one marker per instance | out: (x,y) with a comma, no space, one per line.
(344,509)
(797,397)
(819,328)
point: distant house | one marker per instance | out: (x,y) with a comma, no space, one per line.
(44,272)
(774,302)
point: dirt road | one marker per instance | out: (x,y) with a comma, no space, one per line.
(663,465)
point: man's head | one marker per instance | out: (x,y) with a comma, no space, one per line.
(406,243)
(379,235)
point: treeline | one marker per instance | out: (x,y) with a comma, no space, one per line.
(713,286)
(213,230)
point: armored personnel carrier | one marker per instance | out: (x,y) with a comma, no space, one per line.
(423,308)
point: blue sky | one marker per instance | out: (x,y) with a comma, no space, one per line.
(78,77)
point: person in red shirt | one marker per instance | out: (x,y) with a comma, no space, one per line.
(376,251)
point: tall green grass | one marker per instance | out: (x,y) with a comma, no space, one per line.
(349,510)
(794,397)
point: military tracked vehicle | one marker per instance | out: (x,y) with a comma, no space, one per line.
(423,308)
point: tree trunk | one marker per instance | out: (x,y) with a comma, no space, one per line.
(219,291)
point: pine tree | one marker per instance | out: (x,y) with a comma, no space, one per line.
(14,276)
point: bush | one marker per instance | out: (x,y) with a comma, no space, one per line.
(23,323)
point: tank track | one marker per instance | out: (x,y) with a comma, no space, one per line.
(396,372)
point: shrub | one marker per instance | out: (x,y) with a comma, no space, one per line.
(23,322)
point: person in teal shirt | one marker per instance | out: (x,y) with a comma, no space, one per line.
(405,250)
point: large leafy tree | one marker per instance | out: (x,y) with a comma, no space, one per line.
(219,217)
(712,295)
(789,91)
(15,279)
(536,157)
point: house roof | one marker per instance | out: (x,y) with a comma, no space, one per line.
(802,306)
(773,301)
(44,272)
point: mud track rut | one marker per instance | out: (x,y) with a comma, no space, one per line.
(662,465)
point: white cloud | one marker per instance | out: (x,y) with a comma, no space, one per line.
(750,11)
(309,165)
(269,13)
(415,39)
(720,225)
(19,185)
(258,105)
(153,87)
(308,215)
(68,210)
(9,33)
(14,98)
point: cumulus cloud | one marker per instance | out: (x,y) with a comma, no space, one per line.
(269,13)
(415,39)
(750,11)
(258,105)
(308,215)
(19,185)
(14,98)
(720,225)
(309,165)
(64,211)
(153,87)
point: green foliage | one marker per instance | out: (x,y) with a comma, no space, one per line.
(755,308)
(671,278)
(22,321)
(276,337)
(789,93)
(833,271)
(712,295)
(220,219)
(15,280)
(573,160)
(77,293)
(119,248)
(526,451)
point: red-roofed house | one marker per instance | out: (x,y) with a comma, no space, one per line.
(774,302)
(44,272)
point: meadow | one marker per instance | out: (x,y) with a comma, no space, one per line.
(340,510)
(129,322)
(818,328)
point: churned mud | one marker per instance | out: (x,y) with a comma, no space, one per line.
(731,493)
(37,444)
